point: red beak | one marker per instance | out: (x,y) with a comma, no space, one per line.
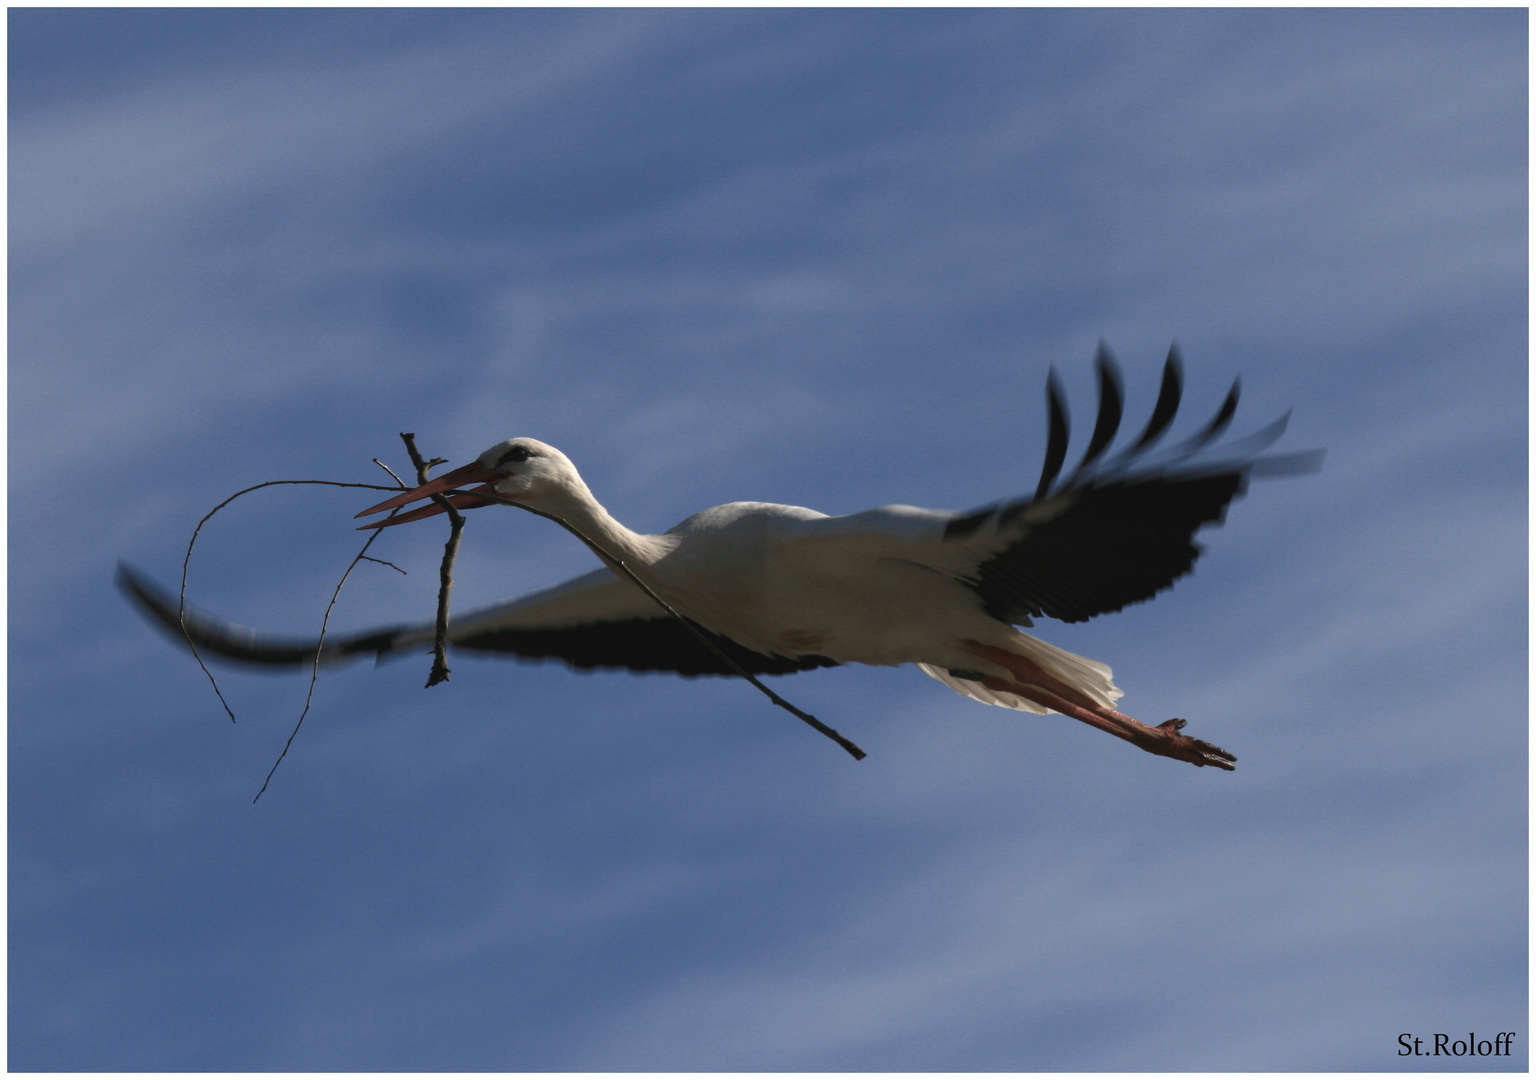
(474,473)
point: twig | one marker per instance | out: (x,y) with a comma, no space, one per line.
(181,606)
(314,671)
(698,632)
(693,628)
(381,562)
(440,670)
(386,468)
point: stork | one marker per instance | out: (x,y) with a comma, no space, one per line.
(773,589)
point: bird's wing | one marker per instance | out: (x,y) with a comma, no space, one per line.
(594,621)
(600,620)
(1120,528)
(232,641)
(1099,548)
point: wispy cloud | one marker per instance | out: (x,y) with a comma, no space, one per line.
(814,257)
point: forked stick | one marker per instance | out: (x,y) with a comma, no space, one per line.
(440,670)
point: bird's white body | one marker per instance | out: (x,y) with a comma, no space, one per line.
(881,587)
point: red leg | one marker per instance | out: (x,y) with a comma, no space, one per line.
(1044,689)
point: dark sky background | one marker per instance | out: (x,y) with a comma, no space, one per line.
(823,257)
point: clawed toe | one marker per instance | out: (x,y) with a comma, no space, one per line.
(1215,755)
(1184,748)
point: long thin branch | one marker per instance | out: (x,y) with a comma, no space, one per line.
(693,628)
(440,670)
(314,671)
(181,606)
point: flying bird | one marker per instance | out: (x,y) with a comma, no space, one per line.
(773,589)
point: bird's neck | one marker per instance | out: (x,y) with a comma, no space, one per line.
(613,540)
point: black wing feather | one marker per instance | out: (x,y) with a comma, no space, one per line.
(1060,433)
(1168,396)
(1218,422)
(1111,405)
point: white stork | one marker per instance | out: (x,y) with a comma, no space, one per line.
(779,589)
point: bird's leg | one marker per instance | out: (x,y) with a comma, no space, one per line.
(1045,689)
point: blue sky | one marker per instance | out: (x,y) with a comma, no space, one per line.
(816,257)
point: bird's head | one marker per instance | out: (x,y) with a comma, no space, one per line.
(525,471)
(528,471)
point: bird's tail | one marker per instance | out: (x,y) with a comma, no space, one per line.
(1090,678)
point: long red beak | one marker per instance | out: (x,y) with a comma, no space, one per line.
(474,473)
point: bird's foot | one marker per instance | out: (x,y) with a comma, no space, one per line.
(1165,740)
(1042,688)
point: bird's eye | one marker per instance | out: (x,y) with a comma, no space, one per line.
(517,453)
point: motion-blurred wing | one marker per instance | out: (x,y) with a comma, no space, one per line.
(241,644)
(599,620)
(594,621)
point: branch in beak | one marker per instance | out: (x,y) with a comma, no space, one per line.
(469,474)
(459,500)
